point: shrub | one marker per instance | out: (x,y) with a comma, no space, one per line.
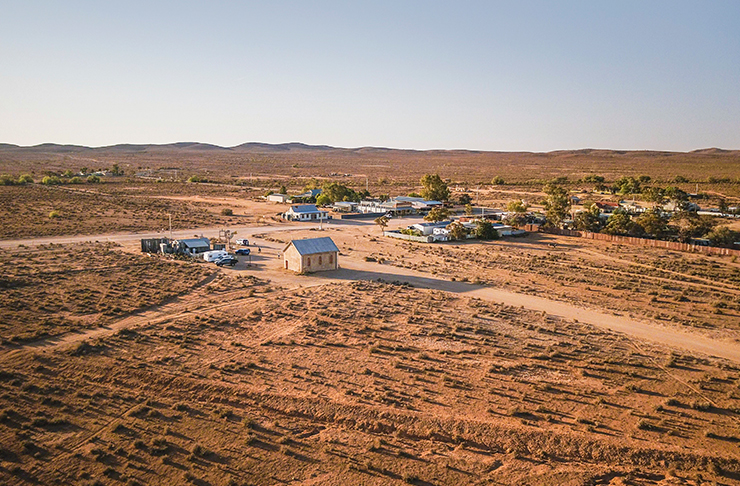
(25,179)
(54,215)
(6,180)
(93,179)
(51,180)
(75,180)
(227,212)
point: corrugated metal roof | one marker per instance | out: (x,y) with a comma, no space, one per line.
(306,208)
(195,242)
(314,245)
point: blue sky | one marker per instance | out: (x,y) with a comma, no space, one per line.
(487,75)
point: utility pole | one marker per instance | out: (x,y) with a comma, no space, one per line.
(477,199)
(170,217)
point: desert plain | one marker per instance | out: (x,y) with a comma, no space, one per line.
(540,359)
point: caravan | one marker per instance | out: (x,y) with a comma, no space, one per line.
(212,256)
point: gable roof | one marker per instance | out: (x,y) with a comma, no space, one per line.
(313,245)
(305,208)
(195,242)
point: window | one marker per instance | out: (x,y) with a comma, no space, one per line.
(308,261)
(331,259)
(319,260)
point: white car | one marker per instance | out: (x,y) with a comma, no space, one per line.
(242,242)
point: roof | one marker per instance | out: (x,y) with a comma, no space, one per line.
(313,245)
(409,199)
(433,224)
(309,193)
(195,242)
(305,208)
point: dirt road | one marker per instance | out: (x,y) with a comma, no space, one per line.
(269,267)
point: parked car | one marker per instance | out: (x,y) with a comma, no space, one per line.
(243,251)
(228,260)
(242,242)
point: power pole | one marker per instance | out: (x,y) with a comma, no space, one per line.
(170,217)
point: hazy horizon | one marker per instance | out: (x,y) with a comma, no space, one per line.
(492,76)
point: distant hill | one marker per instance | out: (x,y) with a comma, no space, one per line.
(298,147)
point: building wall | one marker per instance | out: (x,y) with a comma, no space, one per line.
(299,263)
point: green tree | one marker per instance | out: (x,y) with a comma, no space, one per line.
(653,222)
(84,170)
(557,204)
(516,207)
(620,223)
(593,178)
(469,209)
(382,222)
(627,185)
(653,195)
(690,225)
(116,170)
(588,219)
(464,199)
(75,180)
(434,188)
(484,230)
(338,192)
(51,180)
(678,197)
(25,179)
(93,179)
(723,236)
(457,231)
(7,180)
(437,214)
(323,200)
(68,173)
(414,194)
(283,189)
(498,181)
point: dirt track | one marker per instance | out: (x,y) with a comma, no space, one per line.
(354,269)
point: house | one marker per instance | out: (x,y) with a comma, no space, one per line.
(632,207)
(419,203)
(607,206)
(345,206)
(192,246)
(397,208)
(427,229)
(370,206)
(311,255)
(305,212)
(309,195)
(278,198)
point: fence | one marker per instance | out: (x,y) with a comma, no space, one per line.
(631,240)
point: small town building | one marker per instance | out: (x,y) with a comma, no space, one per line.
(607,206)
(345,206)
(278,198)
(308,196)
(305,212)
(192,246)
(311,255)
(397,208)
(428,228)
(419,203)
(370,206)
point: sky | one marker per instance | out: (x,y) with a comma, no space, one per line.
(483,75)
